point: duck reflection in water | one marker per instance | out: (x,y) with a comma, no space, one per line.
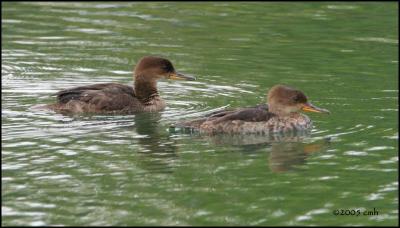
(158,150)
(287,150)
(285,156)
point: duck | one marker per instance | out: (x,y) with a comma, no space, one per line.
(118,98)
(280,114)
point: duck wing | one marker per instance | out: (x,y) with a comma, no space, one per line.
(221,113)
(104,96)
(252,114)
(246,114)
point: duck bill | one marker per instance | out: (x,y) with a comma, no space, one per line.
(179,76)
(308,107)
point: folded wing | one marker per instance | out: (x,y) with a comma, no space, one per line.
(105,96)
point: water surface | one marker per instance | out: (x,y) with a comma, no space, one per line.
(133,170)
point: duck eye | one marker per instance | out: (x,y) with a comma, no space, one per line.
(299,98)
(166,68)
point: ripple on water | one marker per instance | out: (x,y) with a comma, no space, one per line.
(375,148)
(309,215)
(390,161)
(342,7)
(94,161)
(355,153)
(8,211)
(377,39)
(89,30)
(382,191)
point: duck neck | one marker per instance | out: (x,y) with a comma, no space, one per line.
(145,88)
(279,111)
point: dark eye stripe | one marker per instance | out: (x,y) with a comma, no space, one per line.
(300,98)
(168,67)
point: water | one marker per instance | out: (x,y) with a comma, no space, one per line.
(133,170)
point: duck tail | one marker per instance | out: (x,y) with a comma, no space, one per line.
(193,124)
(43,107)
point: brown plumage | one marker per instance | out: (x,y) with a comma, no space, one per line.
(280,115)
(118,98)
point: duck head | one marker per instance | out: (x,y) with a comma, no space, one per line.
(283,100)
(152,68)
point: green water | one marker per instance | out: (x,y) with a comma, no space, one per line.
(133,170)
